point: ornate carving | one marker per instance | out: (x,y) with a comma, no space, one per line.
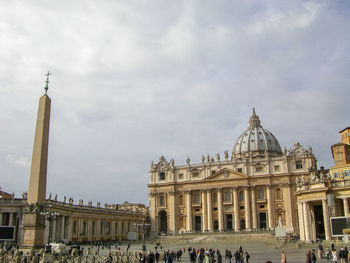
(203,158)
(226,155)
(188,160)
(218,157)
(34,208)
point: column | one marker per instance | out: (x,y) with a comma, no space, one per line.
(270,208)
(70,229)
(247,209)
(220,210)
(289,207)
(53,237)
(89,229)
(204,211)
(301,221)
(254,214)
(0,219)
(236,209)
(11,219)
(172,209)
(62,227)
(346,207)
(327,227)
(189,211)
(210,211)
(307,222)
(153,214)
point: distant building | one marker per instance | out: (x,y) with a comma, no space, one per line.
(324,194)
(76,222)
(253,189)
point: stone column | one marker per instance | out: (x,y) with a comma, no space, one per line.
(220,211)
(153,213)
(301,221)
(63,221)
(89,228)
(346,207)
(270,208)
(53,237)
(307,222)
(11,219)
(289,207)
(189,211)
(172,209)
(204,211)
(236,209)
(0,219)
(247,209)
(70,229)
(254,214)
(327,227)
(210,211)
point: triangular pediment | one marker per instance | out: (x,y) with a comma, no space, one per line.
(226,174)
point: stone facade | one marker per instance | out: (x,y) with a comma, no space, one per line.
(251,190)
(325,194)
(77,222)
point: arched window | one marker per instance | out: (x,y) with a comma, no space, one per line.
(228,196)
(197,198)
(241,196)
(215,198)
(162,200)
(261,194)
(278,194)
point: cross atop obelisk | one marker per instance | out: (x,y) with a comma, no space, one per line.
(34,225)
(47,81)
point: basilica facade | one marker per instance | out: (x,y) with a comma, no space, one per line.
(250,190)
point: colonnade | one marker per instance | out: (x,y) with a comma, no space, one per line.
(307,227)
(249,215)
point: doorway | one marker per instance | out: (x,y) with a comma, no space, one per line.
(319,223)
(163,224)
(262,221)
(198,223)
(229,222)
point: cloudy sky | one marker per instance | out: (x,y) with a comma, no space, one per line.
(134,80)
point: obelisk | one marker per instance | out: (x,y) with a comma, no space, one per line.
(34,222)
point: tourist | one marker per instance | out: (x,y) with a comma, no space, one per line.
(246,257)
(283,257)
(192,256)
(342,255)
(237,257)
(156,256)
(218,256)
(313,256)
(308,256)
(229,256)
(334,256)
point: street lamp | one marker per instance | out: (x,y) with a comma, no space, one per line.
(50,216)
(143,225)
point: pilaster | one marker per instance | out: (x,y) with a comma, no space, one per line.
(204,211)
(326,220)
(189,211)
(236,209)
(210,211)
(254,213)
(220,210)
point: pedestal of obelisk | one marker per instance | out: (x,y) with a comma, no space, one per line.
(34,222)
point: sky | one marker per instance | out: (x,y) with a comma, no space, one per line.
(134,80)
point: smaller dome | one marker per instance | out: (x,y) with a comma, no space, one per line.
(257,139)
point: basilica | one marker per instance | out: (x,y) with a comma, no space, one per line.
(251,190)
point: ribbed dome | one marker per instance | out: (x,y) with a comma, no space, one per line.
(257,139)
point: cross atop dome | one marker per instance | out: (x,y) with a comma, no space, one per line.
(254,120)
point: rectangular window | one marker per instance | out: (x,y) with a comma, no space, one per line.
(215,209)
(240,170)
(340,156)
(181,176)
(276,168)
(93,228)
(195,175)
(299,165)
(108,228)
(162,176)
(346,173)
(241,207)
(116,228)
(262,206)
(336,174)
(122,227)
(162,201)
(213,172)
(258,169)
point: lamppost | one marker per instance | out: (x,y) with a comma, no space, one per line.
(143,225)
(50,216)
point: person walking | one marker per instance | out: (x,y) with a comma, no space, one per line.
(308,256)
(218,257)
(334,256)
(283,257)
(246,257)
(313,256)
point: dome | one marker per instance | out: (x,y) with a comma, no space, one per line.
(257,139)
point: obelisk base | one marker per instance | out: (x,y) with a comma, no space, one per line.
(34,231)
